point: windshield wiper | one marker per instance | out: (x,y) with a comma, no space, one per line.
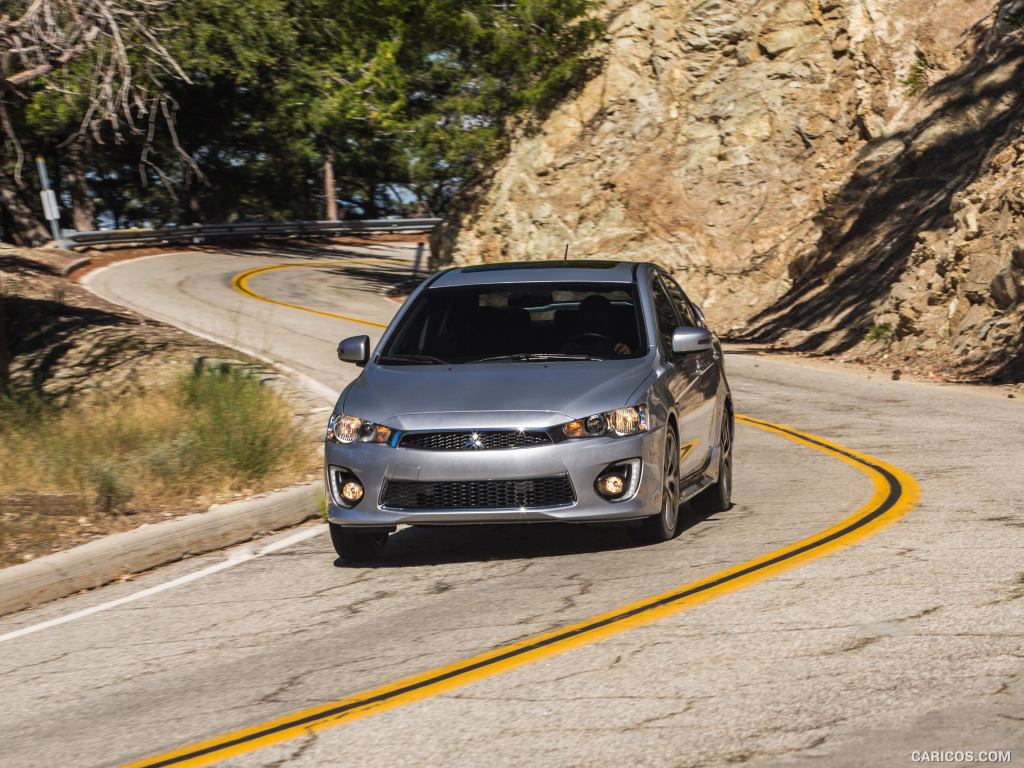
(422,359)
(535,357)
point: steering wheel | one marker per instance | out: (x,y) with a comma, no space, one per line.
(592,343)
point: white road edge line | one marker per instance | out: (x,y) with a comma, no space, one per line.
(236,557)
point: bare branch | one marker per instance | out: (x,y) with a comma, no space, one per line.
(125,68)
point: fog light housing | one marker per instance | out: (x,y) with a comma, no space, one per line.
(346,490)
(619,481)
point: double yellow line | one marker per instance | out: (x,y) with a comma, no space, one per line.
(240,283)
(895,493)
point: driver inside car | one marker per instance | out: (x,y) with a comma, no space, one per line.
(596,328)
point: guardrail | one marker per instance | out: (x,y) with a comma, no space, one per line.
(198,233)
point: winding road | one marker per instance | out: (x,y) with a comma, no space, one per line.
(910,639)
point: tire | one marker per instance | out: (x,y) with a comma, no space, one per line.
(356,545)
(718,497)
(664,525)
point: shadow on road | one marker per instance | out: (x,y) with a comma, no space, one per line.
(304,250)
(394,279)
(397,282)
(425,545)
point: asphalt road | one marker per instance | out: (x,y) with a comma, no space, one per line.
(911,640)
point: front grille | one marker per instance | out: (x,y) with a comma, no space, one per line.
(478,494)
(486,440)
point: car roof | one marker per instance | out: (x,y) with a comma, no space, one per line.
(574,271)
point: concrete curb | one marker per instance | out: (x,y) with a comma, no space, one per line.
(67,269)
(108,559)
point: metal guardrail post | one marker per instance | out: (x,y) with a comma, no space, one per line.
(419,258)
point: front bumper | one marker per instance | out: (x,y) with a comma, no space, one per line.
(581,460)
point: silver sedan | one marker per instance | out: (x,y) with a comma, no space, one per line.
(579,391)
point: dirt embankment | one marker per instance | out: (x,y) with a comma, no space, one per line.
(65,343)
(105,424)
(825,176)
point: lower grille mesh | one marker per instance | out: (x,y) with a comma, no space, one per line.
(479,494)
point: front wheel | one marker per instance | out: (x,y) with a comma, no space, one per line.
(355,545)
(663,526)
(718,497)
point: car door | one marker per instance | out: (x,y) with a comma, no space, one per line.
(706,367)
(682,381)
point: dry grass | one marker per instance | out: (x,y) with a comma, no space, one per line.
(205,438)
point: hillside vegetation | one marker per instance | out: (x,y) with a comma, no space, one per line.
(211,110)
(109,421)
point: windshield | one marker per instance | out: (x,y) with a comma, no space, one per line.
(538,321)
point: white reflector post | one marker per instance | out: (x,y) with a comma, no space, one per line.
(50,210)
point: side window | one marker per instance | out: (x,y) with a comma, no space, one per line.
(686,313)
(664,314)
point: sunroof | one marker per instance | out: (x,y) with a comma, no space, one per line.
(575,264)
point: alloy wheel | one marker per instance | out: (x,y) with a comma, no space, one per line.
(725,466)
(670,496)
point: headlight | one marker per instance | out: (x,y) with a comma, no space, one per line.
(352,429)
(618,423)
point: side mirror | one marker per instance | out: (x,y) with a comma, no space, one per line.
(354,349)
(687,340)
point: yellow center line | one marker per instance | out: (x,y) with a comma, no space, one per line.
(894,494)
(240,283)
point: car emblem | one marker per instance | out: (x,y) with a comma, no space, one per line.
(473,442)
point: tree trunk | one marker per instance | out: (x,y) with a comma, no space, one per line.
(26,227)
(330,197)
(191,205)
(83,209)
(370,206)
(195,205)
(5,350)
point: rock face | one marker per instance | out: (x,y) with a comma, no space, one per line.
(836,176)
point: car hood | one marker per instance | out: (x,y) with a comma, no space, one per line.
(521,394)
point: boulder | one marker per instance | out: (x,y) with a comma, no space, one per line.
(1007,288)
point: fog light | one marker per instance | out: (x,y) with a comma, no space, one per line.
(346,490)
(352,491)
(611,485)
(619,481)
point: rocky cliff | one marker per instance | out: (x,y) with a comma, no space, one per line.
(837,176)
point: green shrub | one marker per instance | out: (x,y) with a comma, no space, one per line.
(917,80)
(236,425)
(110,486)
(208,433)
(883,332)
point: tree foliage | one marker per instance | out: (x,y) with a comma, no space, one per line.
(412,98)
